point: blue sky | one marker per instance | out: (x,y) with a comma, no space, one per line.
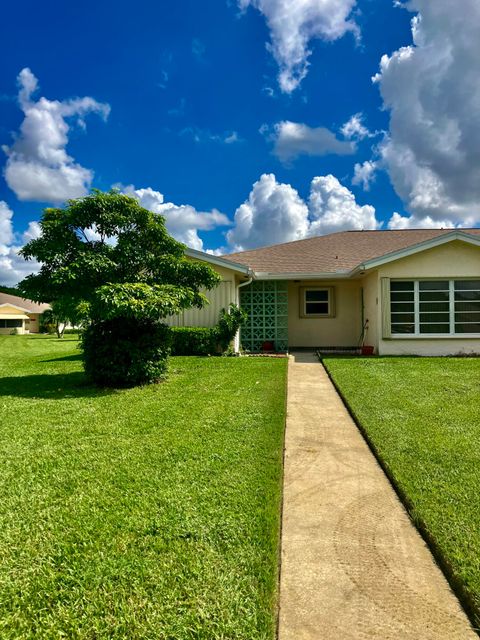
(189,109)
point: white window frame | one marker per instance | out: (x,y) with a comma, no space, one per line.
(416,298)
(330,302)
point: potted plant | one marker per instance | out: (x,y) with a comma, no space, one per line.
(367,350)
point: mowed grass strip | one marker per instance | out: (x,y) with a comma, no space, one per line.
(422,415)
(143,513)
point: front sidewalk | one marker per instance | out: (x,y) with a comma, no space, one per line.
(353,565)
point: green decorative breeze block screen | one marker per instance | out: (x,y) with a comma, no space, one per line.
(266,303)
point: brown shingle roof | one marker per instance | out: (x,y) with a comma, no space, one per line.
(28,305)
(337,252)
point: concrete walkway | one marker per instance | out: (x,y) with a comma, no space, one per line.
(353,565)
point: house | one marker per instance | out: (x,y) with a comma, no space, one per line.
(411,292)
(19,315)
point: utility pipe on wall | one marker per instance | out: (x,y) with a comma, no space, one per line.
(236,340)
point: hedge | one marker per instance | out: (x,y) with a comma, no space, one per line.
(203,341)
(193,341)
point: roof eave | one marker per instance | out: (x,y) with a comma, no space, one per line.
(218,261)
(318,275)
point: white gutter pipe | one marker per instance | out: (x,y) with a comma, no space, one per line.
(236,340)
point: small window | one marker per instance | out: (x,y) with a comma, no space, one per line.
(316,302)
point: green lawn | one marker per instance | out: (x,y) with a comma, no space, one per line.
(142,513)
(422,416)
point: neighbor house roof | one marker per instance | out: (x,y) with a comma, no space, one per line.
(343,252)
(22,303)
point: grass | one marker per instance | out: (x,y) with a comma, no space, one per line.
(422,417)
(144,513)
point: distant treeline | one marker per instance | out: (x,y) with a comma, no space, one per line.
(11,290)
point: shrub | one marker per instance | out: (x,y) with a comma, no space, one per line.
(125,352)
(46,324)
(228,324)
(193,341)
(202,341)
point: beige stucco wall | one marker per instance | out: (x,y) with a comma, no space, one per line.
(432,347)
(34,324)
(453,260)
(220,298)
(343,330)
(11,310)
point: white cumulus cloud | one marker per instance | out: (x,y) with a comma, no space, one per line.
(365,173)
(294,23)
(33,231)
(182,221)
(13,267)
(432,91)
(333,208)
(412,222)
(275,212)
(354,129)
(6,228)
(38,166)
(292,139)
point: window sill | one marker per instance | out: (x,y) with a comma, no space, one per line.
(436,336)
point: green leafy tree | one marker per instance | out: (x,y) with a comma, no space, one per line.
(59,315)
(112,261)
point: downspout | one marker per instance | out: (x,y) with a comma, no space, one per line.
(236,340)
(363,306)
(364,331)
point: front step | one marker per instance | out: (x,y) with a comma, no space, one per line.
(321,351)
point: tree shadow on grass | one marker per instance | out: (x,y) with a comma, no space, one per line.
(51,387)
(73,358)
(36,336)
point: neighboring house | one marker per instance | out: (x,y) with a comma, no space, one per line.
(19,315)
(403,292)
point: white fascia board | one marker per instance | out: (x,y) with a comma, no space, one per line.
(418,248)
(220,262)
(266,275)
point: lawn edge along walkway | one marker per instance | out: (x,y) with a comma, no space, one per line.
(353,565)
(466,598)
